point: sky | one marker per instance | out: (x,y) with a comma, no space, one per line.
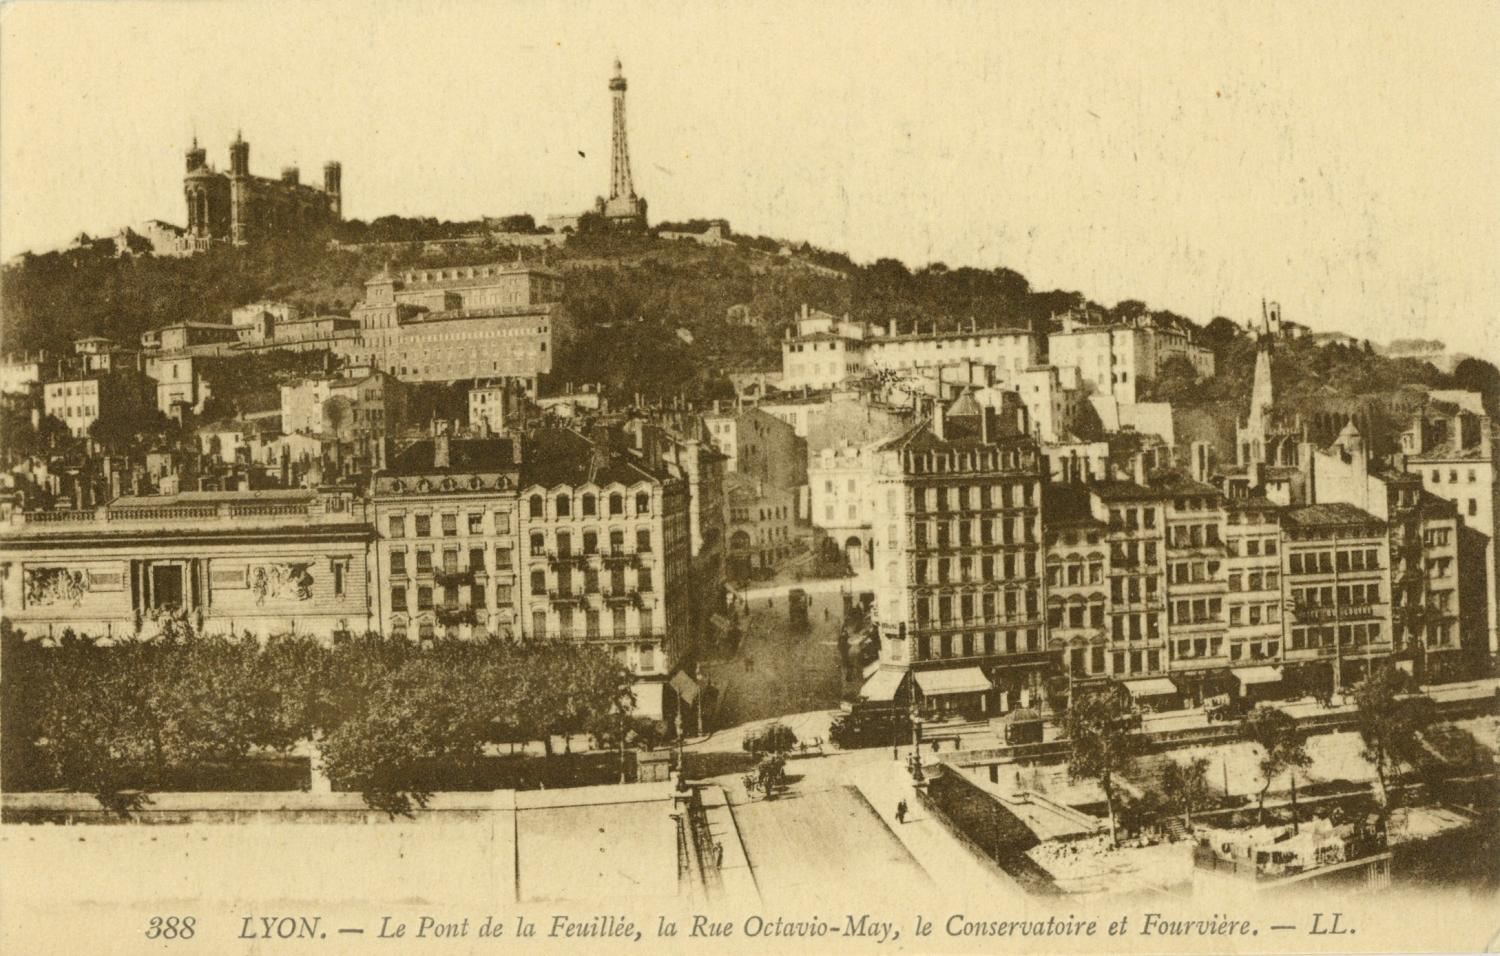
(1339,158)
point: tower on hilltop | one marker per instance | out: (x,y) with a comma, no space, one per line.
(623,207)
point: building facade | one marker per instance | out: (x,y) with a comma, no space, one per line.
(606,557)
(446,553)
(959,582)
(489,322)
(263,562)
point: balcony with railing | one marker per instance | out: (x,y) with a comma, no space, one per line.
(194,512)
(568,597)
(1324,613)
(454,579)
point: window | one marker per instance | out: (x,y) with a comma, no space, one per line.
(564,506)
(398,599)
(616,504)
(590,506)
(538,544)
(340,568)
(617,542)
(643,579)
(535,506)
(539,582)
(424,526)
(398,562)
(590,542)
(502,558)
(643,541)
(539,624)
(476,523)
(396,526)
(424,562)
(503,595)
(643,503)
(450,526)
(424,598)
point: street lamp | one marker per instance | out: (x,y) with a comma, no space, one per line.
(916,744)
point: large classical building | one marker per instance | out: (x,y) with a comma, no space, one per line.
(263,562)
(487,322)
(239,207)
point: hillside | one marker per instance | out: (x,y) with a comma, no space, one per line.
(637,301)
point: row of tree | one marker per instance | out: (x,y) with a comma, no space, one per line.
(1398,729)
(122,720)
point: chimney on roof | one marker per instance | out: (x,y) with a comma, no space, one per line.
(440,451)
(939,416)
(1138,467)
(985,429)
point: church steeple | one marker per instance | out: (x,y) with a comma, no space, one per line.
(1262,393)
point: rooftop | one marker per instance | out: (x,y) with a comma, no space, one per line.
(1330,514)
(1117,490)
(561,456)
(465,456)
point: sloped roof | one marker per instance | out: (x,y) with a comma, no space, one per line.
(561,456)
(464,455)
(1330,513)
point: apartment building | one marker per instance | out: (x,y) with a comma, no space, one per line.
(606,556)
(959,579)
(446,555)
(1337,578)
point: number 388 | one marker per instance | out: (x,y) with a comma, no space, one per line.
(171,927)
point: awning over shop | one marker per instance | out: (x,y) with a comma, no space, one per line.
(956,680)
(883,684)
(685,686)
(1257,675)
(1151,687)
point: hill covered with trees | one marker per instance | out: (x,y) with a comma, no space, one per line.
(651,316)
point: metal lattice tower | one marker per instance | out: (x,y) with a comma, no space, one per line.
(620,186)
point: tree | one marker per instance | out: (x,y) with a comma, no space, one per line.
(1275,732)
(776,738)
(1390,723)
(1186,786)
(419,713)
(1102,741)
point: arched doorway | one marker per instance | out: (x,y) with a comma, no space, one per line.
(854,551)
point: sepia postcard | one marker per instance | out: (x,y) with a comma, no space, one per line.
(763,477)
